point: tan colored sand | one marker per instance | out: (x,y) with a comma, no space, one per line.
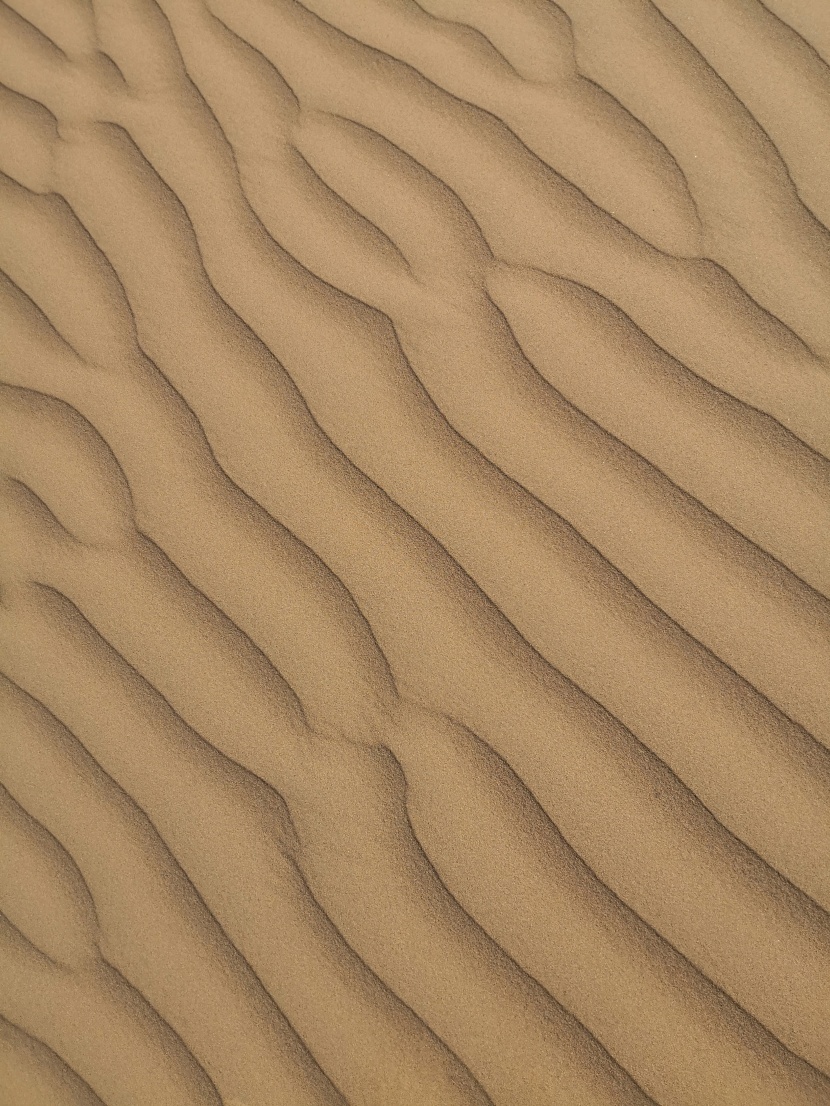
(415,573)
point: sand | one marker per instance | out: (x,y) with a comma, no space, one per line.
(415,575)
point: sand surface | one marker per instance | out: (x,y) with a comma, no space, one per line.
(414,619)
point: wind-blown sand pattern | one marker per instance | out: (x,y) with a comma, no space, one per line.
(414,618)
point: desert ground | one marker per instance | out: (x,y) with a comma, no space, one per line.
(415,495)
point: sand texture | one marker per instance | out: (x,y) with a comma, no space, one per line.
(415,561)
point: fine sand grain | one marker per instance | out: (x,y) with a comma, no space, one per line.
(415,571)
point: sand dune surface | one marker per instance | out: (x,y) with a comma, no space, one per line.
(415,572)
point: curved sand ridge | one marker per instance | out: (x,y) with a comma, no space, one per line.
(415,588)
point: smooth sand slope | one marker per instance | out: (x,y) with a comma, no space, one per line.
(415,572)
